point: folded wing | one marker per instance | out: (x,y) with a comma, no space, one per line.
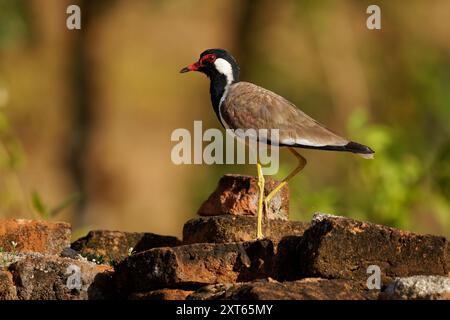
(250,106)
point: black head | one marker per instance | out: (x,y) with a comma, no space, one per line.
(216,63)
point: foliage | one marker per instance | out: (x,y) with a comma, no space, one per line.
(13,22)
(45,212)
(12,195)
(12,192)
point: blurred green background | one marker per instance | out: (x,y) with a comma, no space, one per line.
(86,116)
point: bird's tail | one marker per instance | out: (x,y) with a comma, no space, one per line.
(360,149)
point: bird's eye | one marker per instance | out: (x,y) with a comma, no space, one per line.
(209,58)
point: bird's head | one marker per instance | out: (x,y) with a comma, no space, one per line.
(216,62)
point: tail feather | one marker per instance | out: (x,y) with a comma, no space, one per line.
(367,155)
(360,149)
(355,147)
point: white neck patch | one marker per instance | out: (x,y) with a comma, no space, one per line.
(225,68)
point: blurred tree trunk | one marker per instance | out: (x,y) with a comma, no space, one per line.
(247,29)
(82,67)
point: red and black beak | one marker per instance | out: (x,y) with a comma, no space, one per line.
(192,67)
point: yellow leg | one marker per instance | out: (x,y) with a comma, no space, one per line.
(300,166)
(261,183)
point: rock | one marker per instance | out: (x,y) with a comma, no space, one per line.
(338,247)
(57,278)
(70,253)
(7,288)
(195,265)
(152,240)
(113,246)
(162,294)
(228,228)
(418,288)
(20,235)
(213,291)
(238,195)
(8,258)
(305,289)
(286,264)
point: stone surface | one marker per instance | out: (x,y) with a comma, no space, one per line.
(228,228)
(338,247)
(194,265)
(286,265)
(214,291)
(305,289)
(418,288)
(162,294)
(113,246)
(49,278)
(71,253)
(238,195)
(326,259)
(7,258)
(7,288)
(20,235)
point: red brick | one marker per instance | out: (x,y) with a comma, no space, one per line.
(228,228)
(195,265)
(238,195)
(338,247)
(34,236)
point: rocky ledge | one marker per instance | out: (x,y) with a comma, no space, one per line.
(330,257)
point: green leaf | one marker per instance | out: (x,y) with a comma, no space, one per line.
(39,205)
(74,197)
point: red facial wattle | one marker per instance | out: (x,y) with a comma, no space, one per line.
(196,66)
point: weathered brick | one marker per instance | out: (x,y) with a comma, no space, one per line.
(114,246)
(238,195)
(49,278)
(194,265)
(161,294)
(227,228)
(418,288)
(7,288)
(305,289)
(20,235)
(338,247)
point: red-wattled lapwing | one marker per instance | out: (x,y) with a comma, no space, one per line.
(243,105)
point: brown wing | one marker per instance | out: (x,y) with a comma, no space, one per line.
(250,106)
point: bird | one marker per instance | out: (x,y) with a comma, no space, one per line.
(244,105)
